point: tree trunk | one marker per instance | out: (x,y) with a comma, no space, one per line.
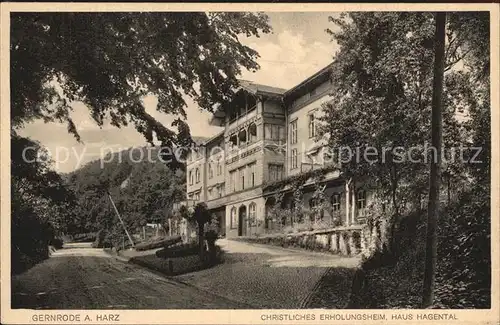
(434,179)
(201,240)
(449,190)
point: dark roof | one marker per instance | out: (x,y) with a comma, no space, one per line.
(199,140)
(323,73)
(208,140)
(257,88)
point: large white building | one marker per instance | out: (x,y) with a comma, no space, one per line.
(270,136)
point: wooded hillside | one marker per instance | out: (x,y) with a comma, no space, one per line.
(142,189)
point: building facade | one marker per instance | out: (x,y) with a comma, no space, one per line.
(270,135)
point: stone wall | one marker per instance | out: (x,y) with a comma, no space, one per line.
(346,241)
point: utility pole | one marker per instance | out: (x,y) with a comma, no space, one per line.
(435,172)
(119,217)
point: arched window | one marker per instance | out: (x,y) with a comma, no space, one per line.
(335,202)
(242,137)
(234,222)
(197,175)
(361,199)
(233,141)
(191,179)
(252,133)
(252,213)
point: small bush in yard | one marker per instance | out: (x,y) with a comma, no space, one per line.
(178,251)
(57,243)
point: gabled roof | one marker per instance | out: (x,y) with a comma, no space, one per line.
(198,140)
(215,137)
(318,76)
(256,88)
(252,88)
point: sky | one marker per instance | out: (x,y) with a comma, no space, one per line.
(298,47)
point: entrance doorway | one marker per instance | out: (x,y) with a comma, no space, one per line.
(242,221)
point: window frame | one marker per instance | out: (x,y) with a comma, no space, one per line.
(210,171)
(233,222)
(361,199)
(252,215)
(293,131)
(232,180)
(336,206)
(311,125)
(277,170)
(294,158)
(251,178)
(251,138)
(197,175)
(241,176)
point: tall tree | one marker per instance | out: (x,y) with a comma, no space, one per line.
(40,203)
(150,191)
(109,61)
(435,174)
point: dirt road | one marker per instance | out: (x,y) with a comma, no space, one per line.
(80,277)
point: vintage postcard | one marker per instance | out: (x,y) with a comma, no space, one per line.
(249,163)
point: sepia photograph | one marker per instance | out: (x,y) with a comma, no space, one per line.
(248,160)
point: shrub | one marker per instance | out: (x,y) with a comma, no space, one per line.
(158,243)
(26,253)
(463,275)
(178,251)
(57,243)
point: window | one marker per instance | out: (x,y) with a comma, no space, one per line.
(242,178)
(252,214)
(252,133)
(312,126)
(210,171)
(242,137)
(336,202)
(191,178)
(197,175)
(234,222)
(268,131)
(274,132)
(293,132)
(281,133)
(233,115)
(210,193)
(314,205)
(196,196)
(275,172)
(361,199)
(219,190)
(233,141)
(293,160)
(232,180)
(219,167)
(251,178)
